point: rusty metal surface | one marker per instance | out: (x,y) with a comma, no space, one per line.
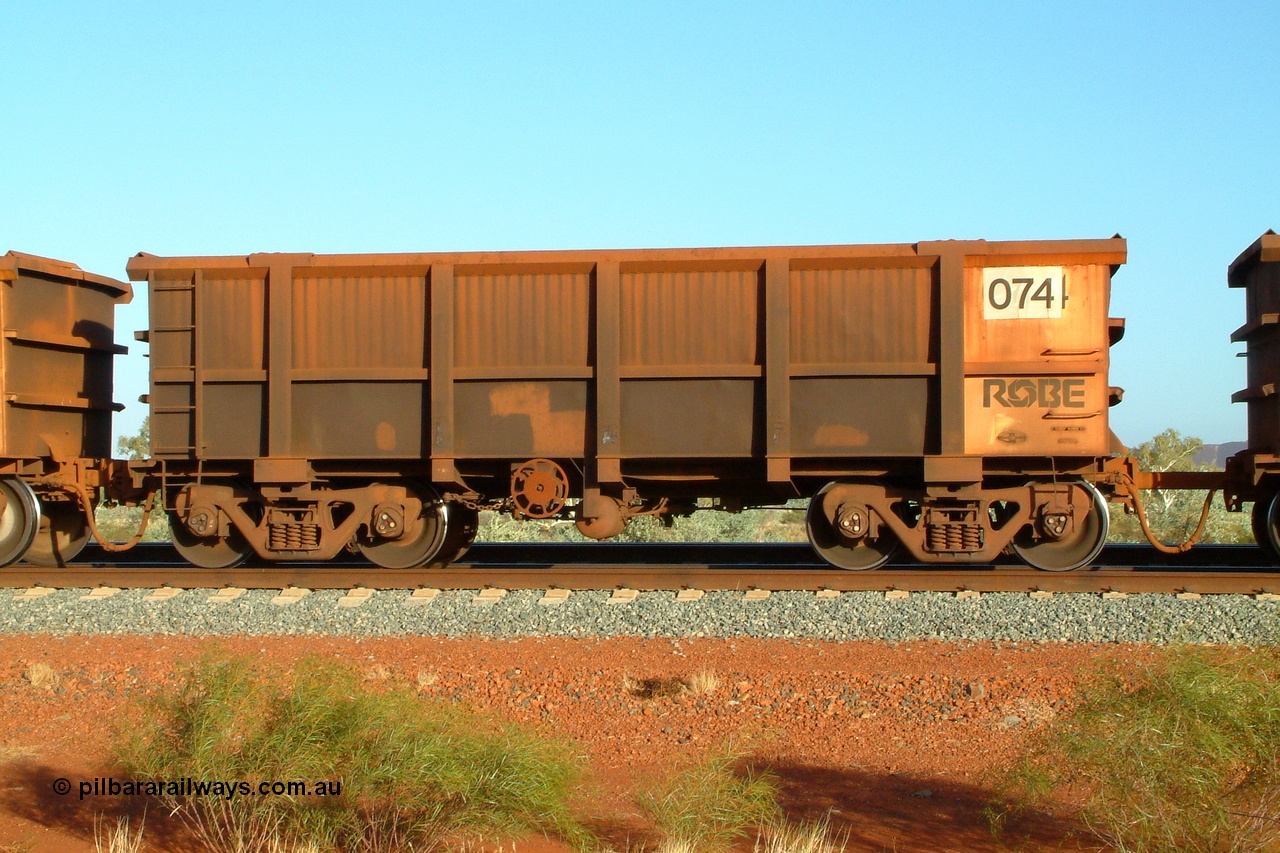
(648,379)
(1257,270)
(1037,385)
(56,359)
(1111,251)
(784,353)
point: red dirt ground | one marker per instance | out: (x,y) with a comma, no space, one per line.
(860,731)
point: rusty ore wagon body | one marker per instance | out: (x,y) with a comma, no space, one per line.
(55,418)
(949,397)
(1255,472)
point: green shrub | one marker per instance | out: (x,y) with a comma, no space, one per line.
(709,804)
(410,772)
(704,525)
(1182,755)
(120,523)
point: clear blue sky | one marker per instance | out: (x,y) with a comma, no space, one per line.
(229,127)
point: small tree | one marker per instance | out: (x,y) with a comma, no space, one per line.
(119,523)
(136,446)
(1174,513)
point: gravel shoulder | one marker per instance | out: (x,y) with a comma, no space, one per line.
(1003,617)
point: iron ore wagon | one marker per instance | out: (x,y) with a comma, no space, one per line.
(949,398)
(55,418)
(1255,472)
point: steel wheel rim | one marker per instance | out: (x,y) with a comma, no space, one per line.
(20,521)
(460,526)
(219,552)
(859,556)
(1062,556)
(62,535)
(422,542)
(1261,526)
(1272,532)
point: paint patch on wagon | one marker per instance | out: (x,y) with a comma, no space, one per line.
(840,435)
(384,436)
(553,431)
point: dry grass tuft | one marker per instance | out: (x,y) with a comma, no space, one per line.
(702,683)
(120,839)
(411,773)
(1182,756)
(42,676)
(710,803)
(815,837)
(678,845)
(22,845)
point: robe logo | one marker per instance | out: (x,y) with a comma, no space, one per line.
(1049,392)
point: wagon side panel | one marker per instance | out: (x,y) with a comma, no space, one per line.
(689,358)
(863,361)
(522,364)
(358,367)
(208,365)
(1036,357)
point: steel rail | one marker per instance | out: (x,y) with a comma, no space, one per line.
(796,555)
(1130,569)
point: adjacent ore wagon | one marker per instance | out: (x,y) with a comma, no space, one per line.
(55,417)
(949,397)
(1256,471)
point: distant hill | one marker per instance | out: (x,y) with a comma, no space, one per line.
(1217,454)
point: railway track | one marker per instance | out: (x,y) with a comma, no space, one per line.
(1120,568)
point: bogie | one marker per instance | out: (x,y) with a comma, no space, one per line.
(1052,526)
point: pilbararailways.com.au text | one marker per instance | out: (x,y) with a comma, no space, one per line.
(188,787)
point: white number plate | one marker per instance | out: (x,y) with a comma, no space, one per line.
(1019,293)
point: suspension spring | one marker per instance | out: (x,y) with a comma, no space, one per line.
(954,536)
(293,537)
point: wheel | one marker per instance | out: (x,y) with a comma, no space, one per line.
(19,521)
(1068,553)
(209,552)
(62,535)
(460,526)
(1262,529)
(853,554)
(1271,535)
(422,541)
